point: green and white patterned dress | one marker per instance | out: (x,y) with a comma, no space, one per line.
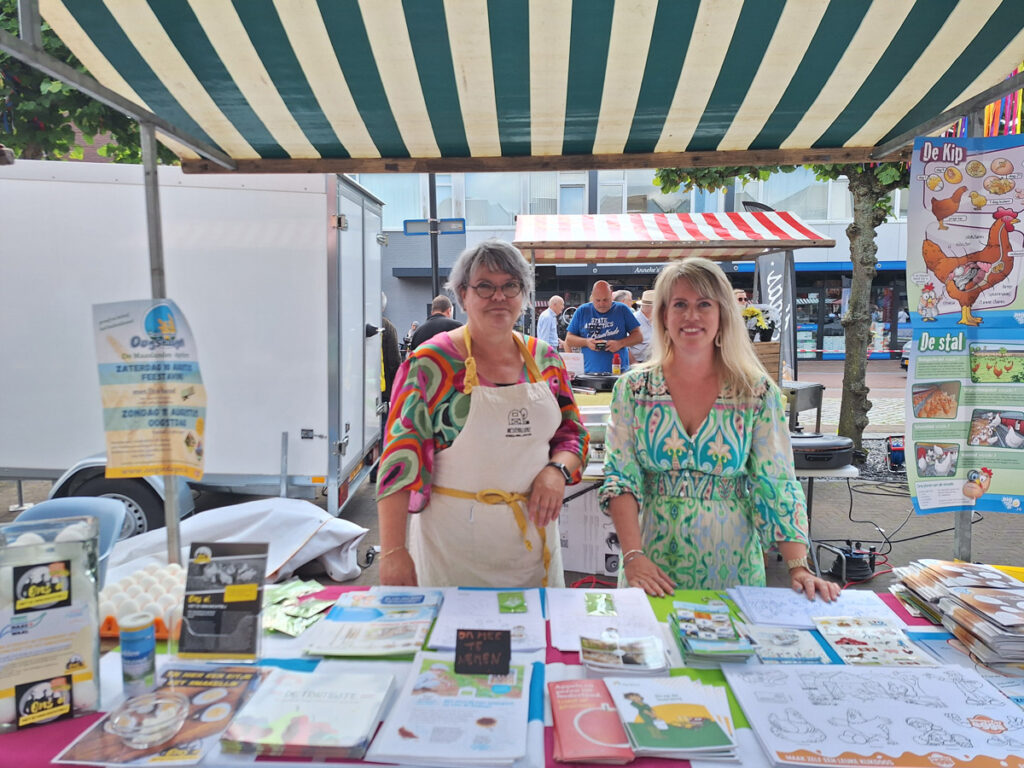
(711,503)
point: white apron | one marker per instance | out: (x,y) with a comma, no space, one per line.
(476,531)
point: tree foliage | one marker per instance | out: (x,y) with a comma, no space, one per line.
(38,114)
(871,187)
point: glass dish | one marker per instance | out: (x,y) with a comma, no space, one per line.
(145,721)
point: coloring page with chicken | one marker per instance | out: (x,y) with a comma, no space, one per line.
(965,378)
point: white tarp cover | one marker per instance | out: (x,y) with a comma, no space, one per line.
(297,532)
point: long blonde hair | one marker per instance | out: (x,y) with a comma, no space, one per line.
(735,359)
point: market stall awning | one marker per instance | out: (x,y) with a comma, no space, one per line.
(645,237)
(476,85)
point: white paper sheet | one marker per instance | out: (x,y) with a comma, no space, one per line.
(631,616)
(782,607)
(828,716)
(480,609)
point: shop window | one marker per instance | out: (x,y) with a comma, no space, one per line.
(543,193)
(400,193)
(798,192)
(572,199)
(492,199)
(445,198)
(642,196)
(610,186)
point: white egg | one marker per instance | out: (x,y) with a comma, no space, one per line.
(126,582)
(107,608)
(110,589)
(75,532)
(166,602)
(146,582)
(168,582)
(133,591)
(28,538)
(174,568)
(139,576)
(179,593)
(7,709)
(127,608)
(117,598)
(84,695)
(150,607)
(152,568)
(156,591)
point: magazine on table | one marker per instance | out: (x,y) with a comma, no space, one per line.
(871,641)
(442,718)
(784,645)
(587,728)
(623,655)
(674,717)
(387,623)
(705,634)
(330,712)
(200,700)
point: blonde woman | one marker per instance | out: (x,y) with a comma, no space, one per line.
(699,473)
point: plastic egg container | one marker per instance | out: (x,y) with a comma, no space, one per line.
(157,590)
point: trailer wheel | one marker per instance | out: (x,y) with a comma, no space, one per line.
(144,507)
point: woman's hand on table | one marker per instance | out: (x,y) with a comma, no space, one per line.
(397,569)
(546,496)
(641,572)
(803,580)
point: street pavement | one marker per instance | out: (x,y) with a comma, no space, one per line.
(885,380)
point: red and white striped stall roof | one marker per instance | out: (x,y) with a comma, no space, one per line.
(640,237)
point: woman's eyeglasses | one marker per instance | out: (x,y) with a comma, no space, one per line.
(508,290)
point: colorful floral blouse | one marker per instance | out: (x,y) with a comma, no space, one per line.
(708,503)
(429,409)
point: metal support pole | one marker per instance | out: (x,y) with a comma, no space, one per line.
(158,281)
(284,466)
(962,523)
(435,272)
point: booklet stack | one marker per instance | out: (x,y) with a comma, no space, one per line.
(442,718)
(674,717)
(381,622)
(586,723)
(325,714)
(989,622)
(875,642)
(928,581)
(623,656)
(707,636)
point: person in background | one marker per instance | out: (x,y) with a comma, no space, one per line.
(547,324)
(903,316)
(440,320)
(641,352)
(698,471)
(601,328)
(406,343)
(391,358)
(623,296)
(483,436)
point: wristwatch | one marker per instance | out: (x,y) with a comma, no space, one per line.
(561,468)
(800,562)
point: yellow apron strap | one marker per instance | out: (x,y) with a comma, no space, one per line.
(472,380)
(515,502)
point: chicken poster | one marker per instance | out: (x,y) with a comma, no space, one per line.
(965,404)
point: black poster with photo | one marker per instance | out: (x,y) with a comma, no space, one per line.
(223,599)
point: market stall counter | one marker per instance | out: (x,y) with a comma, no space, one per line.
(555,637)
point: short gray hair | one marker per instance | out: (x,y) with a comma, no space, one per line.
(496,255)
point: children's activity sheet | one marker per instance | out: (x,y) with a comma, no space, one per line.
(782,607)
(965,407)
(842,716)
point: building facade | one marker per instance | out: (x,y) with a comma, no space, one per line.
(489,202)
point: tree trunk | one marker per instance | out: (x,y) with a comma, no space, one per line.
(853,412)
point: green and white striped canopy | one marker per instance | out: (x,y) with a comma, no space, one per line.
(463,85)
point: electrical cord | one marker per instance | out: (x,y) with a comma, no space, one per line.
(591,581)
(370,558)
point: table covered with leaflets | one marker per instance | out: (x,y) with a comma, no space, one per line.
(527,678)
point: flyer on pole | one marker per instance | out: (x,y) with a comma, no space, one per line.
(154,402)
(965,404)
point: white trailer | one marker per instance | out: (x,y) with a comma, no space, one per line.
(280,280)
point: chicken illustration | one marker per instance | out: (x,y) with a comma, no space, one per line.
(947,206)
(967,277)
(928,306)
(978,481)
(978,201)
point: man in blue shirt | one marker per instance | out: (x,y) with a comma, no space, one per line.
(547,324)
(601,328)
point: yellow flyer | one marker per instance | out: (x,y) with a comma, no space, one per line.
(154,402)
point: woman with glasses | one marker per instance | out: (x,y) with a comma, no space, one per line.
(483,436)
(698,468)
